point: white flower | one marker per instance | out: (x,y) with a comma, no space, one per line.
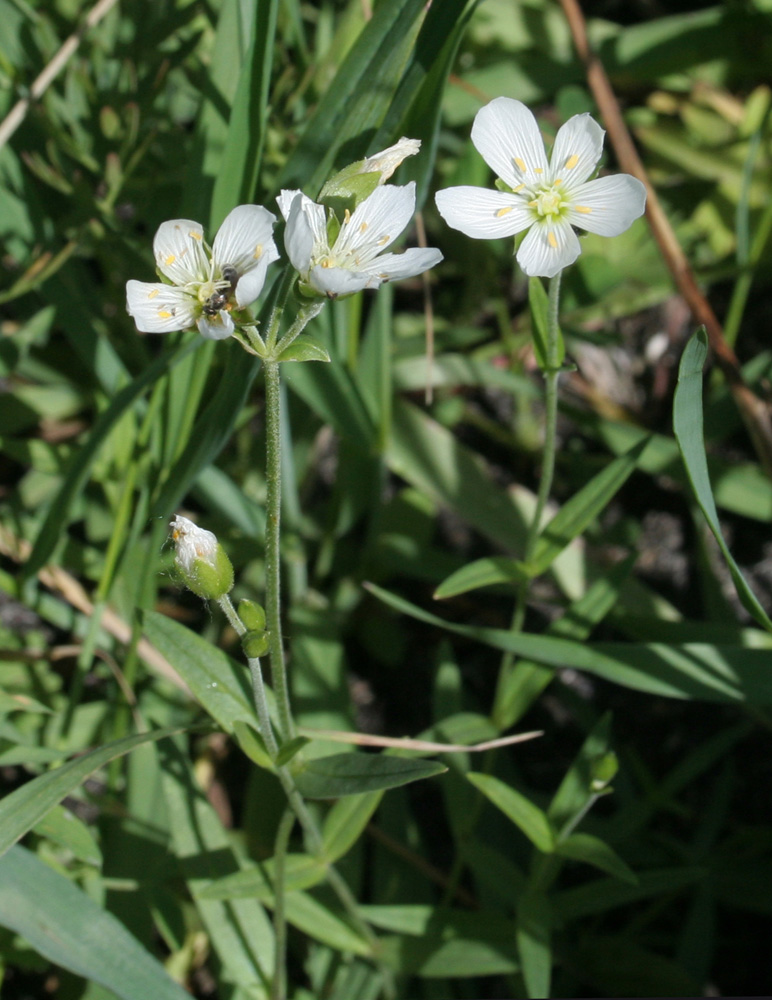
(356,259)
(205,283)
(547,199)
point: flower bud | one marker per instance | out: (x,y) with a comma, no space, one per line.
(255,643)
(358,180)
(200,560)
(252,614)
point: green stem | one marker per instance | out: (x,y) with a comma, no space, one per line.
(279,985)
(272,550)
(303,318)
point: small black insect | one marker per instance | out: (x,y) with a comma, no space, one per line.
(219,299)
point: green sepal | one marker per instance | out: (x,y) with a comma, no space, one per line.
(289,749)
(255,644)
(603,770)
(253,744)
(502,186)
(349,188)
(305,348)
(208,581)
(252,614)
(539,303)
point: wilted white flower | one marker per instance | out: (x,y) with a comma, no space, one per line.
(548,199)
(201,561)
(205,283)
(355,260)
(387,161)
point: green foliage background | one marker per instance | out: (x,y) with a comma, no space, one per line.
(638,650)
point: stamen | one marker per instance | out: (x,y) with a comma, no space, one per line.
(582,208)
(258,252)
(538,170)
(363,227)
(504,211)
(383,241)
(572,161)
(164,315)
(551,240)
(194,235)
(153,293)
(518,188)
(519,163)
(170,260)
(346,217)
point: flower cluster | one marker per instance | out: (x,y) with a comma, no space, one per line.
(546,198)
(333,255)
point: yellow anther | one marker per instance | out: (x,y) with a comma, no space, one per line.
(582,208)
(518,188)
(538,170)
(195,235)
(557,181)
(363,227)
(520,164)
(258,251)
(170,260)
(153,293)
(383,241)
(346,217)
(572,161)
(326,262)
(504,211)
(551,240)
(162,314)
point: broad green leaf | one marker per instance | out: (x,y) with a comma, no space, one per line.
(346,821)
(61,826)
(305,348)
(720,673)
(301,871)
(26,806)
(687,426)
(353,773)
(523,813)
(593,850)
(68,928)
(83,459)
(534,936)
(220,684)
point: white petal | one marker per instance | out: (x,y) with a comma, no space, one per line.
(334,281)
(245,241)
(179,251)
(192,543)
(537,254)
(376,222)
(483,214)
(299,239)
(508,139)
(607,206)
(387,161)
(215,327)
(577,150)
(159,308)
(395,266)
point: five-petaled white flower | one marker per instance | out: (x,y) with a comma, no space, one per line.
(356,259)
(548,199)
(205,283)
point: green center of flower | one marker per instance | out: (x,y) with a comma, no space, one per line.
(548,202)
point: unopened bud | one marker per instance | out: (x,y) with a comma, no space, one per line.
(252,614)
(200,560)
(357,181)
(255,643)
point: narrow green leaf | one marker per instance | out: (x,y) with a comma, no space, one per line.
(534,935)
(290,749)
(301,871)
(720,673)
(523,813)
(594,851)
(27,805)
(61,826)
(315,920)
(575,792)
(687,426)
(345,822)
(352,773)
(481,573)
(252,743)
(21,703)
(582,509)
(68,928)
